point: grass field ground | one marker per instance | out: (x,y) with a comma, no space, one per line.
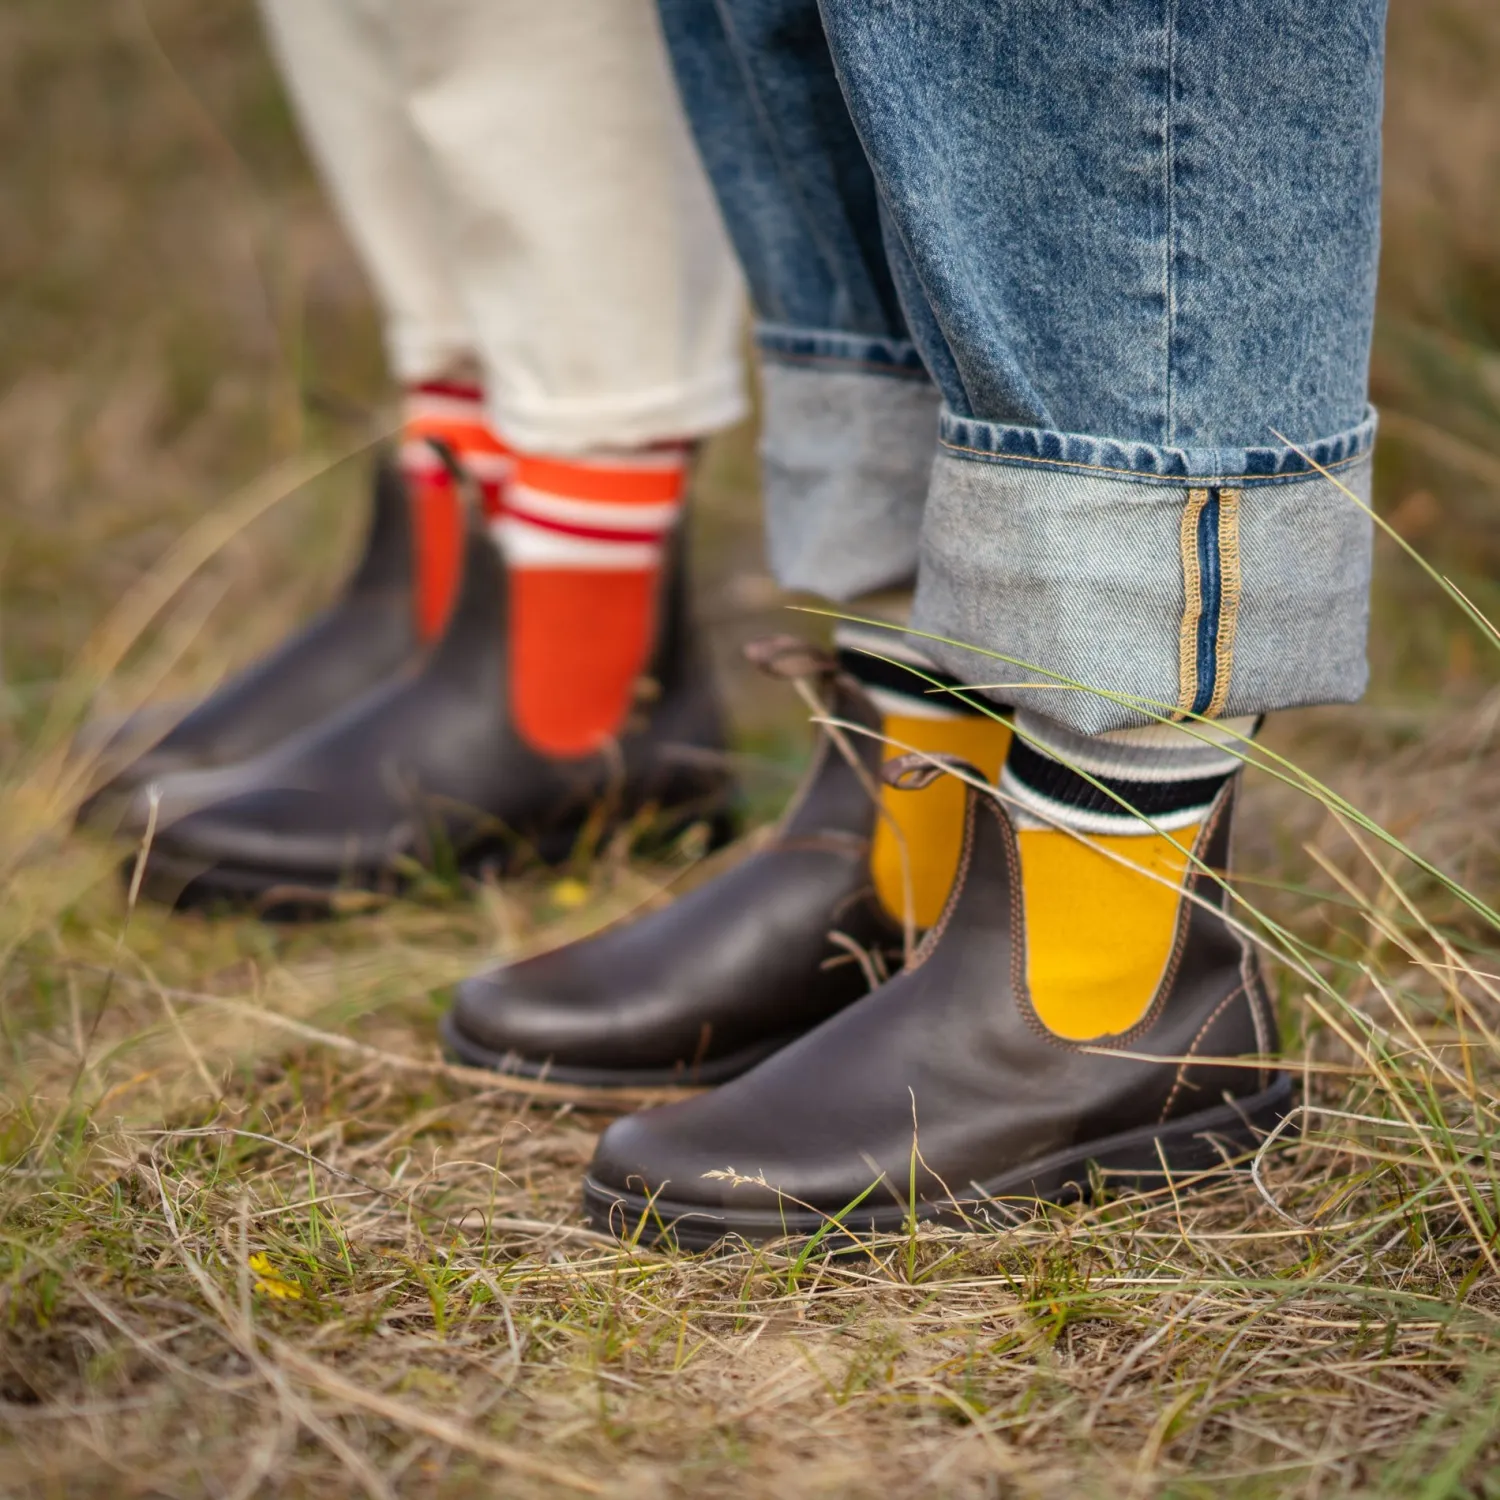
(257,1238)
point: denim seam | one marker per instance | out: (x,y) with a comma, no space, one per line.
(1229,599)
(860,366)
(1192,606)
(791,184)
(1145,477)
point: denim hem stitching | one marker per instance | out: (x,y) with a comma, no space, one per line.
(1147,476)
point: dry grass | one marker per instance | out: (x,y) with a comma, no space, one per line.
(257,1238)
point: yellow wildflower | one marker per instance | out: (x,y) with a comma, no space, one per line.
(269,1281)
(569,893)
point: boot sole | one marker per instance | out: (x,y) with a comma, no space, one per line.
(276,896)
(464,1049)
(1211,1139)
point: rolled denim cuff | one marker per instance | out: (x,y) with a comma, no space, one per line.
(1115,582)
(848,429)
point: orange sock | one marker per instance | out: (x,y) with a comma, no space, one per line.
(452,413)
(583,539)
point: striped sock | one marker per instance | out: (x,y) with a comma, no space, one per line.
(1101,915)
(1167,773)
(450,412)
(584,537)
(919,835)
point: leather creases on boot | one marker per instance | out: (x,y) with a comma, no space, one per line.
(700,990)
(946,1081)
(427,772)
(357,642)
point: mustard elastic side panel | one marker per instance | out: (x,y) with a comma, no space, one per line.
(1098,932)
(930,821)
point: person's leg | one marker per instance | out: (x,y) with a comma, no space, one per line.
(849,413)
(1137,254)
(586,247)
(1146,250)
(1139,387)
(606,306)
(522,185)
(339,65)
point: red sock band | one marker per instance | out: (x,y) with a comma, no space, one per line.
(583,540)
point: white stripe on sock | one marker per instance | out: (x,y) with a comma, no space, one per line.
(652,519)
(1029,809)
(527,546)
(492,468)
(890,704)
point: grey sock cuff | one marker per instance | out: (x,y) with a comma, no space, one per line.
(1126,782)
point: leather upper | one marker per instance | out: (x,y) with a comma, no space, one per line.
(951,1054)
(355,643)
(733,967)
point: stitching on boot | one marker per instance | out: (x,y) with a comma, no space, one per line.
(830,841)
(1181,1080)
(924,949)
(1260,1011)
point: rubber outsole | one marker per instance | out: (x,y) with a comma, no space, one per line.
(464,1049)
(188,884)
(1202,1142)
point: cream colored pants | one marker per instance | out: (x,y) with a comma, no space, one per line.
(520,183)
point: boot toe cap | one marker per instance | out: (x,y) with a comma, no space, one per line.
(562,1013)
(499,1020)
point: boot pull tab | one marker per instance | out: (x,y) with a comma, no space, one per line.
(911,773)
(788,656)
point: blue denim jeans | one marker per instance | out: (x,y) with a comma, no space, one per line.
(1062,307)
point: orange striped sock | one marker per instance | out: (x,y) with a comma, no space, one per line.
(450,412)
(583,539)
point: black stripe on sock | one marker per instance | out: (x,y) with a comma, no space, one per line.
(1150,799)
(892,677)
